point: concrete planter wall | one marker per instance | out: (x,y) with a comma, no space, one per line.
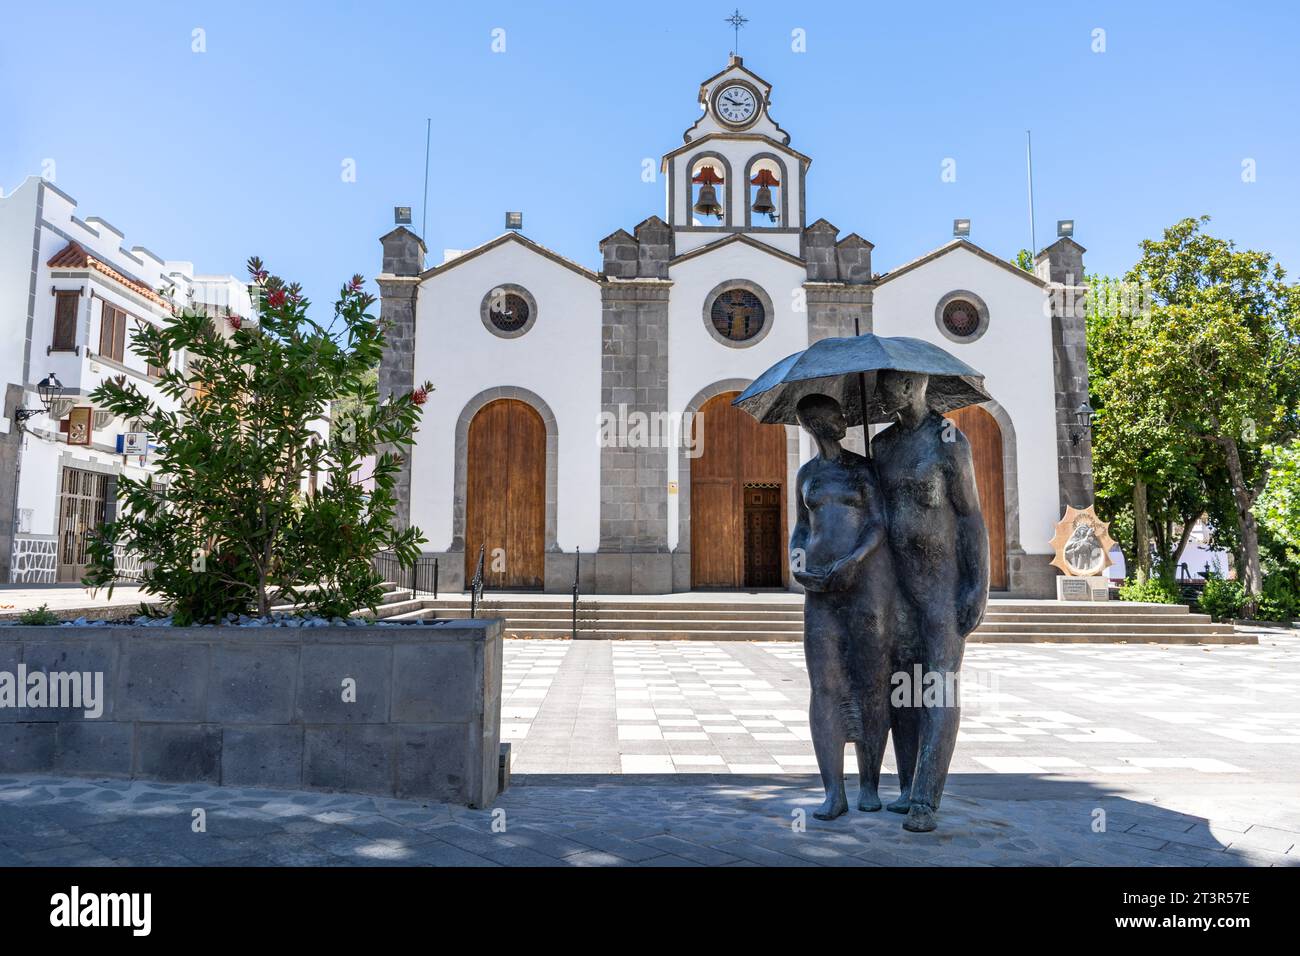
(266,707)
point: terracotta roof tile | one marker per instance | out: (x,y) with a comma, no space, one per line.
(75,256)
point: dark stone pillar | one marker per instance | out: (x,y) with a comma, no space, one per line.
(1061,266)
(399,285)
(633,555)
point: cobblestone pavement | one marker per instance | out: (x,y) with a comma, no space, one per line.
(610,821)
(697,754)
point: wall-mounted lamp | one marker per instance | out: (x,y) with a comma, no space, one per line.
(961,228)
(1083,422)
(49,388)
(402,215)
(1064,228)
(514,220)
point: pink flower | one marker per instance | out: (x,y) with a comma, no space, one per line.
(235,322)
(276,298)
(420,396)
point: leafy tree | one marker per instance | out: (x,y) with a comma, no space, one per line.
(1149,476)
(1222,360)
(1279,506)
(232,522)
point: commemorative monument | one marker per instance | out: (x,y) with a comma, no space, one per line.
(892,552)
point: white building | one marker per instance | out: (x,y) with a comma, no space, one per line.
(71,294)
(531,354)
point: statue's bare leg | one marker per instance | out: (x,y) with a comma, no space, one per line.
(938,725)
(904,721)
(828,745)
(828,680)
(876,666)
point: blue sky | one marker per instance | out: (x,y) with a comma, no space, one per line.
(237,150)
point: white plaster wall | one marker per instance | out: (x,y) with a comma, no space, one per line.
(697,360)
(559,359)
(1015,355)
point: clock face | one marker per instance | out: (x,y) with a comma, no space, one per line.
(736,105)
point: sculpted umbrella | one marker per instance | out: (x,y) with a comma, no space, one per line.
(844,369)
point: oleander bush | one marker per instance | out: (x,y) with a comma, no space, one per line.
(251,507)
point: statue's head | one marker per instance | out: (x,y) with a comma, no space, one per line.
(900,390)
(821,416)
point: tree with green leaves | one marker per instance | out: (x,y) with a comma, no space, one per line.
(1150,476)
(231,522)
(1220,363)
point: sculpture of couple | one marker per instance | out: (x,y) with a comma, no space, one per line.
(892,553)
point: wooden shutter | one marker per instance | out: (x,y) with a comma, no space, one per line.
(106,330)
(119,335)
(65,321)
(112,332)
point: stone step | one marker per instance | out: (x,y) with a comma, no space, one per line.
(1083,618)
(664,624)
(1073,637)
(794,606)
(590,614)
(991,637)
(1105,627)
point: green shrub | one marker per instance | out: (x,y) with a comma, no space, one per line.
(1221,599)
(1153,590)
(40,616)
(224,527)
(1280,600)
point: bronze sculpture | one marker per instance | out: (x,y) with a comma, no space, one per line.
(878,613)
(840,556)
(941,553)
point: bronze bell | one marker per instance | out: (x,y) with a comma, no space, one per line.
(763,203)
(708,205)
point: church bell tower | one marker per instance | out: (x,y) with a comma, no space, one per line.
(735,172)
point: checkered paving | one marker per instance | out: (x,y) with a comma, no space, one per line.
(527,673)
(1065,710)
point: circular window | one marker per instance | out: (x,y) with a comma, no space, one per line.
(508,311)
(962,316)
(738,315)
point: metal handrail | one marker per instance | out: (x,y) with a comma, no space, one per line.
(476,582)
(577,566)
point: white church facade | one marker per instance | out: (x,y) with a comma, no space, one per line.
(584,411)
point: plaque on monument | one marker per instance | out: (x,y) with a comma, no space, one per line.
(1082,543)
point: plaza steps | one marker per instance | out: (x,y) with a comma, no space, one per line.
(779,617)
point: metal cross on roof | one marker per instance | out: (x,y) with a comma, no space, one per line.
(736,21)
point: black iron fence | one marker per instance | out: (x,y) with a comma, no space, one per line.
(419,578)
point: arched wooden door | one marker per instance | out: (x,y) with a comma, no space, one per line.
(505,495)
(985,436)
(738,527)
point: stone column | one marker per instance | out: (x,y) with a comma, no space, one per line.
(399,285)
(1061,266)
(633,555)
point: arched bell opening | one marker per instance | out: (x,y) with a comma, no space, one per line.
(709,180)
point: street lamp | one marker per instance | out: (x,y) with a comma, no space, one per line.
(49,388)
(1083,418)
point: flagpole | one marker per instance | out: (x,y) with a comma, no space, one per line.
(424,215)
(1029,162)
